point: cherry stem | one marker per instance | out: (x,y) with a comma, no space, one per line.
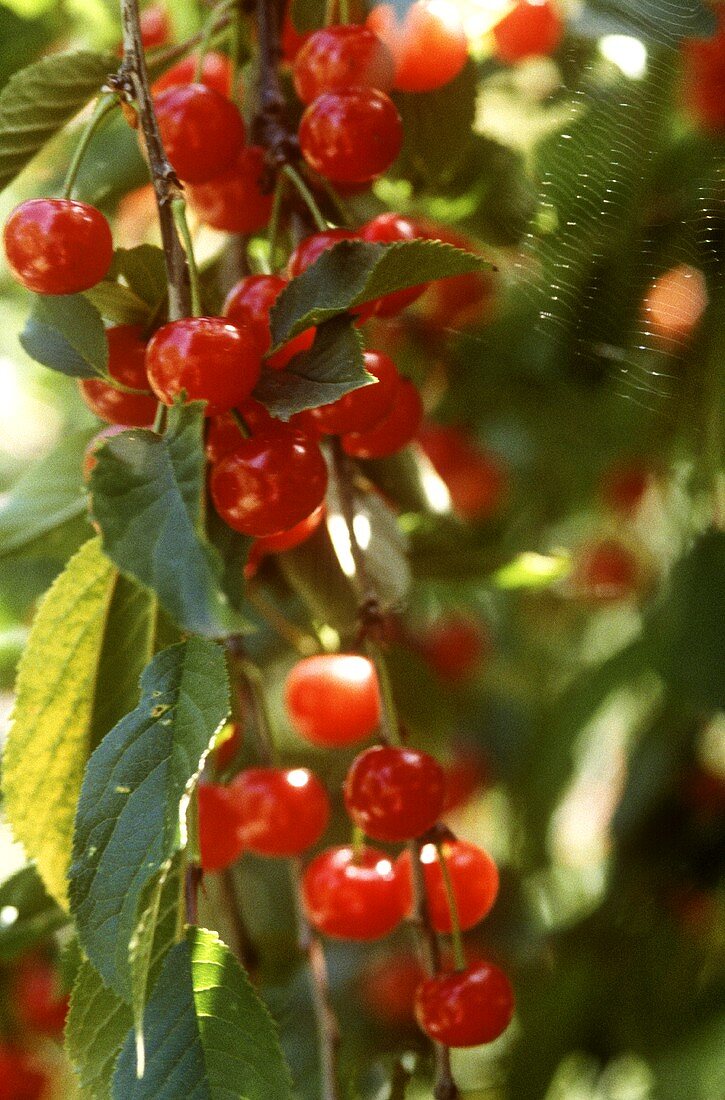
(389,723)
(208,33)
(458,953)
(240,940)
(303,643)
(306,195)
(274,219)
(160,419)
(240,423)
(178,208)
(133,79)
(358,843)
(104,105)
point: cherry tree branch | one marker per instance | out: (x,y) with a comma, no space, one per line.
(270,127)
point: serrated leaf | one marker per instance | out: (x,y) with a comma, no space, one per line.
(450,110)
(118,303)
(38,101)
(47,744)
(147,493)
(333,366)
(98,1020)
(65,332)
(144,269)
(30,915)
(47,496)
(353,272)
(207,1033)
(128,824)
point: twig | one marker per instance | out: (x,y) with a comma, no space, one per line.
(133,80)
(192,881)
(270,127)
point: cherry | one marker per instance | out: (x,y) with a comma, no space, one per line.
(20,1078)
(352,136)
(704,77)
(396,429)
(220,836)
(365,407)
(270,482)
(249,303)
(311,248)
(216,73)
(389,985)
(532,27)
(475,479)
(155,26)
(205,357)
(337,58)
(333,699)
(454,648)
(429,45)
(462,300)
(394,793)
(226,751)
(90,459)
(473,875)
(285,540)
(58,246)
(127,364)
(465,1008)
(283,812)
(624,485)
(387,229)
(39,1002)
(465,774)
(201,129)
(351,895)
(292,40)
(234,201)
(675,303)
(606,571)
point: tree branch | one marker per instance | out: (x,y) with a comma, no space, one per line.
(270,127)
(133,81)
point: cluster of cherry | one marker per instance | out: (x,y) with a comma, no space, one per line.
(359,892)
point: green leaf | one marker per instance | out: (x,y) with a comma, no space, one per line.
(148,493)
(118,303)
(47,496)
(129,820)
(65,332)
(144,270)
(38,101)
(449,110)
(207,1033)
(308,15)
(47,745)
(98,1020)
(333,366)
(29,915)
(353,272)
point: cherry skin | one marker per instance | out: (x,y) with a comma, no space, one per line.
(352,895)
(388,987)
(202,131)
(429,45)
(529,29)
(474,877)
(466,1008)
(155,26)
(333,699)
(20,1078)
(607,571)
(311,248)
(249,303)
(394,431)
(703,81)
(39,1002)
(337,58)
(624,486)
(270,482)
(466,773)
(220,837)
(283,812)
(285,540)
(352,136)
(387,229)
(127,364)
(365,407)
(207,358)
(462,300)
(475,478)
(292,40)
(234,201)
(393,793)
(454,648)
(216,73)
(58,246)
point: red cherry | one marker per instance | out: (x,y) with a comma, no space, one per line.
(352,136)
(465,774)
(234,201)
(396,429)
(311,248)
(333,699)
(429,45)
(220,837)
(462,300)
(389,985)
(127,364)
(624,486)
(474,877)
(285,540)
(475,479)
(607,570)
(341,57)
(226,752)
(465,1008)
(57,246)
(270,482)
(352,895)
(292,40)
(20,1079)
(394,793)
(283,812)
(216,73)
(363,408)
(155,26)
(249,303)
(454,648)
(387,229)
(704,77)
(207,358)
(201,129)
(223,436)
(38,1000)
(533,27)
